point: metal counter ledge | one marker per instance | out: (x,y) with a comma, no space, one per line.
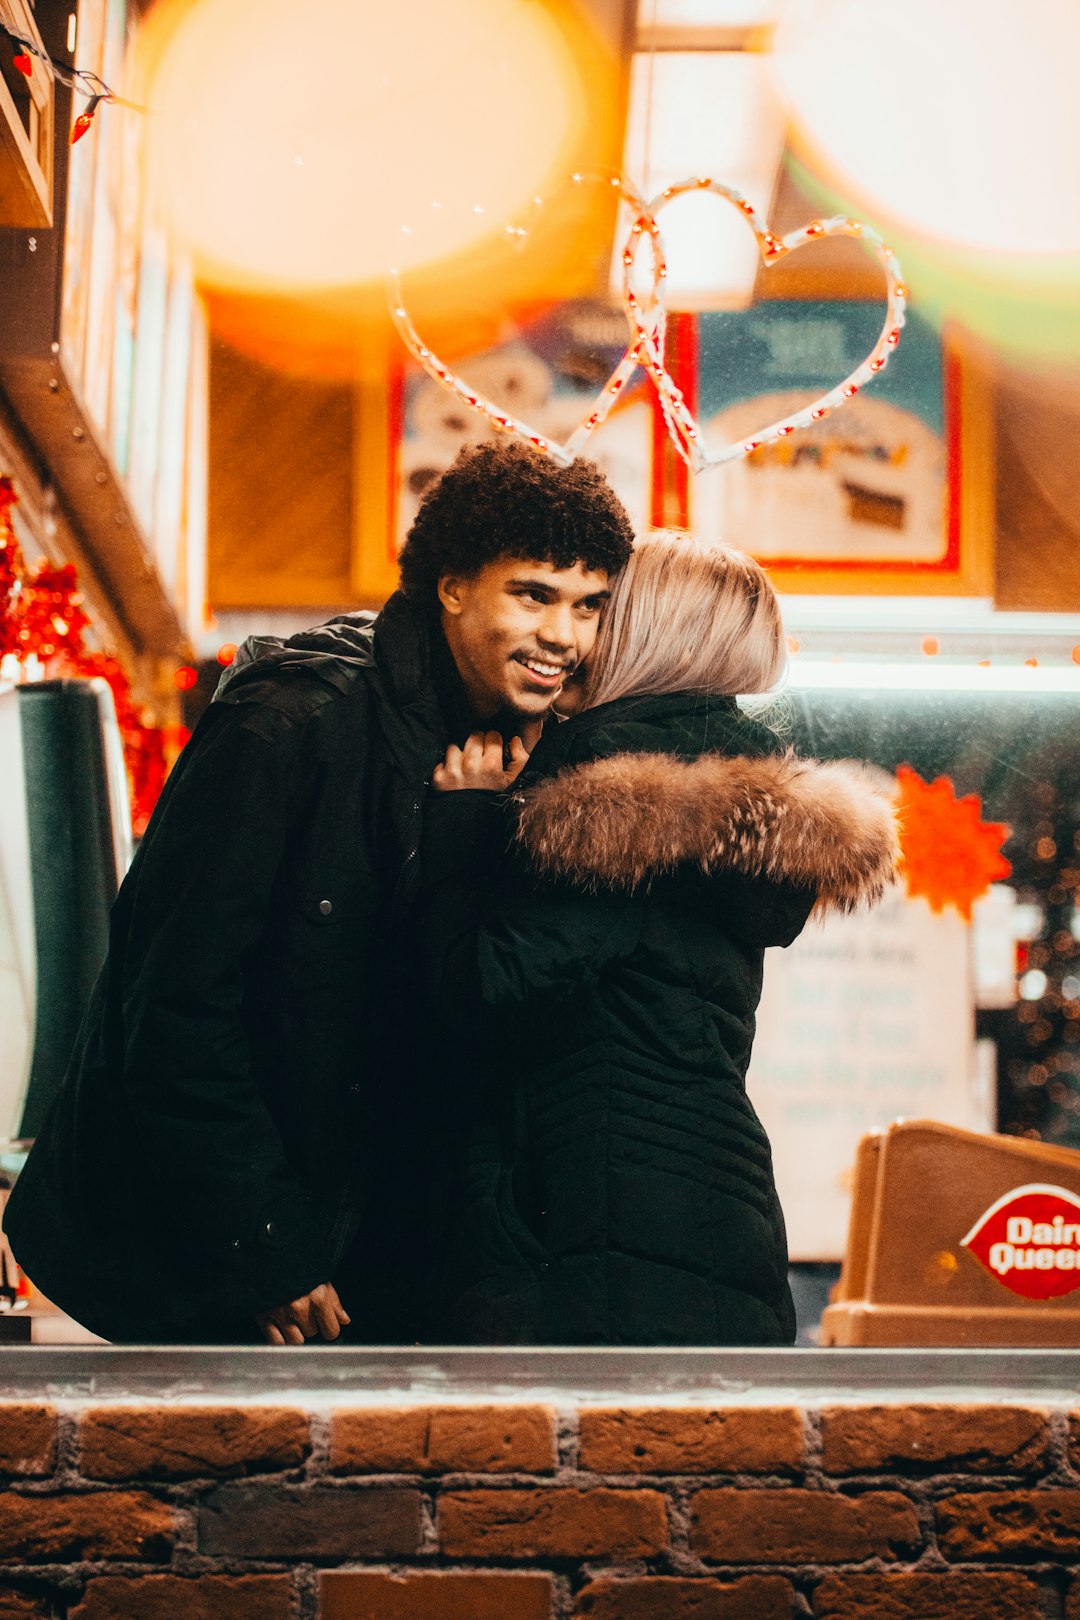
(324,1375)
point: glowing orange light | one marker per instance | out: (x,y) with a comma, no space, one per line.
(226,653)
(475,106)
(185,678)
(931,646)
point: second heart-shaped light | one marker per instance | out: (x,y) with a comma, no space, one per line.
(681,423)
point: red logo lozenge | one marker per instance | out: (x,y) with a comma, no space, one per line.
(1030,1241)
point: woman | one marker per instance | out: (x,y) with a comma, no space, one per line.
(606,1180)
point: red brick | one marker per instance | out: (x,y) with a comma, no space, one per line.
(552,1523)
(952,1439)
(190,1442)
(1074,1439)
(1009,1524)
(995,1595)
(756,1597)
(443,1439)
(198,1597)
(434,1595)
(692,1440)
(289,1521)
(16,1605)
(95,1524)
(27,1438)
(792,1526)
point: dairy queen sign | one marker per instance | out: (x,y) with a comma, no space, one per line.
(1030,1241)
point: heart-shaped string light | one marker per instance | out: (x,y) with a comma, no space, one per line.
(647,326)
(646,315)
(681,423)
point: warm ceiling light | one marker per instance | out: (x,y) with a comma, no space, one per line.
(958,121)
(317,148)
(705,13)
(708,113)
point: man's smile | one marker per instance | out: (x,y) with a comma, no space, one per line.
(545,671)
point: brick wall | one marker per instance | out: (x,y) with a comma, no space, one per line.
(524,1512)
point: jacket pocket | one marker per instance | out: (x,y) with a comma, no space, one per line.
(321,947)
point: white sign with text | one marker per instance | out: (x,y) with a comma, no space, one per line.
(863,1020)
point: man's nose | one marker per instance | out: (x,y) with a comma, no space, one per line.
(557,628)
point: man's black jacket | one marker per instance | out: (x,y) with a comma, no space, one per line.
(221,1127)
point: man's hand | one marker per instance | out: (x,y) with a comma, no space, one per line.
(318,1314)
(481,764)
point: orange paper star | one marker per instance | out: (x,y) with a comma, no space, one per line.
(950,855)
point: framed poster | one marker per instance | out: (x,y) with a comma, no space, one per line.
(889,495)
(546,373)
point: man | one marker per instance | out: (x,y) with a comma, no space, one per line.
(228,1144)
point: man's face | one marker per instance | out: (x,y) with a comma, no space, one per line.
(517,629)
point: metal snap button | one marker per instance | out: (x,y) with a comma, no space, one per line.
(326,907)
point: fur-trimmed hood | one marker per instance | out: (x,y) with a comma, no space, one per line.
(620,821)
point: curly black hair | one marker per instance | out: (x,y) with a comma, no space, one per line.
(505,500)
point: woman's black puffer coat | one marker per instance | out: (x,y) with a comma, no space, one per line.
(606,1179)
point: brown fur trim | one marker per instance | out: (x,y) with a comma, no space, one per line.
(618,822)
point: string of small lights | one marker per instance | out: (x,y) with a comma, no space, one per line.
(83,81)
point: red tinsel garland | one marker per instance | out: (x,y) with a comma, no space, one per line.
(41,615)
(10,569)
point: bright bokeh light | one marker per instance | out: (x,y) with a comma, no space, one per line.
(959,121)
(317,147)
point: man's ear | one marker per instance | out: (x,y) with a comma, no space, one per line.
(450,593)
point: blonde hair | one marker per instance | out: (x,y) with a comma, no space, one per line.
(686,617)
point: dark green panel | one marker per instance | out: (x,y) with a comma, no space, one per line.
(73,869)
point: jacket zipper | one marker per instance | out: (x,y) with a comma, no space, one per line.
(403,871)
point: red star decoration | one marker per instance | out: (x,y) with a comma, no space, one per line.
(950,855)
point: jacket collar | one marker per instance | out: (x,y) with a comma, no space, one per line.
(682,723)
(619,821)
